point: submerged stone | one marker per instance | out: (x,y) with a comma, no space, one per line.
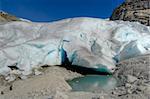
(93,83)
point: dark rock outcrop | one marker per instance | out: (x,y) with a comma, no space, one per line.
(133,10)
(5,17)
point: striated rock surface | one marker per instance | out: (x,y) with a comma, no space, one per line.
(133,10)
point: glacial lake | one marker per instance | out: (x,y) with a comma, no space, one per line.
(92,83)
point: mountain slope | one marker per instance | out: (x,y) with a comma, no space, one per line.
(133,10)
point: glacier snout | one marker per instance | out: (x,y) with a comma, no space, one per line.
(88,42)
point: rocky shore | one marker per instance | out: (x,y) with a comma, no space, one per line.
(134,75)
(50,83)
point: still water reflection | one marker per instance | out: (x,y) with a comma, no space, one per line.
(93,83)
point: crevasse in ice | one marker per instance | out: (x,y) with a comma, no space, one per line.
(87,42)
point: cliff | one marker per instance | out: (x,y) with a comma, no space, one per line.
(133,10)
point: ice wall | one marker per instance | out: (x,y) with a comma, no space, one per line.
(87,42)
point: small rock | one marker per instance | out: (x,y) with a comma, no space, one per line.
(141,88)
(11,87)
(148,90)
(60,95)
(2,92)
(127,85)
(131,79)
(10,78)
(129,91)
(37,72)
(23,77)
(17,72)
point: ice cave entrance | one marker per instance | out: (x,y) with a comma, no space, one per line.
(93,83)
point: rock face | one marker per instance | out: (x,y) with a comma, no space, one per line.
(133,10)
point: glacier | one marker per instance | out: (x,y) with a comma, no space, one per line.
(87,42)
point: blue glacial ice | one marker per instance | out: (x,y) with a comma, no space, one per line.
(87,42)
